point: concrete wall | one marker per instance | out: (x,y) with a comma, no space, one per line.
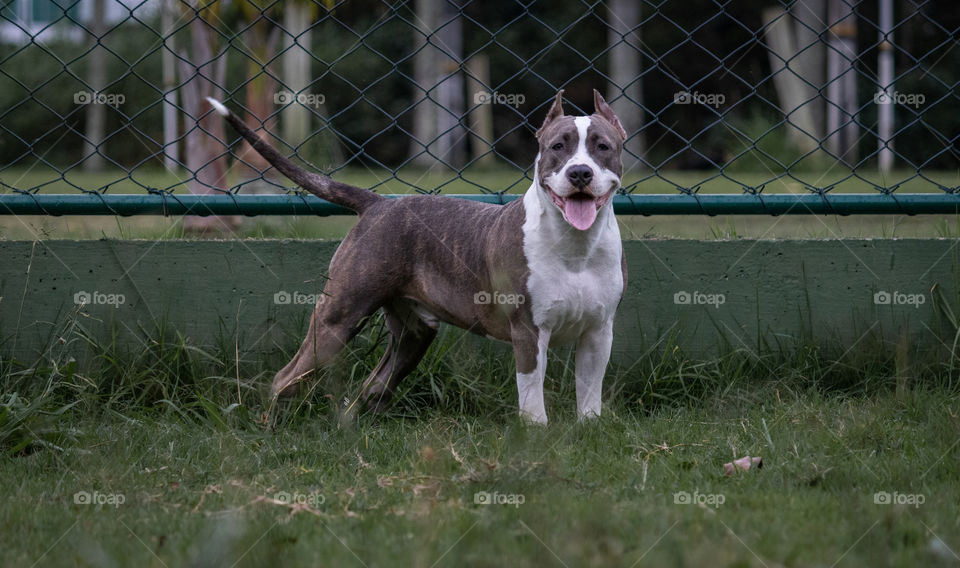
(742,294)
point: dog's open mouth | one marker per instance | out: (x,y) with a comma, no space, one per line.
(580,208)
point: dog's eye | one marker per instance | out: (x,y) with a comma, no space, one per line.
(602,147)
(558,146)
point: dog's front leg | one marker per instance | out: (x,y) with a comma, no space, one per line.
(593,354)
(530,350)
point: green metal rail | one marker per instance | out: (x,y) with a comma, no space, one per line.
(641,204)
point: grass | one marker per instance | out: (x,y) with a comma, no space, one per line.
(209,473)
(179,434)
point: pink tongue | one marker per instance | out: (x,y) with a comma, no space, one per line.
(581,213)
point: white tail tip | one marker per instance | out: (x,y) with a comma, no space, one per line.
(218,106)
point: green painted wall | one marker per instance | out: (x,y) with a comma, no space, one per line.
(743,294)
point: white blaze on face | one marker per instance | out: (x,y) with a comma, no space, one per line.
(558,180)
(580,206)
(581,213)
(582,156)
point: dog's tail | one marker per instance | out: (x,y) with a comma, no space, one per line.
(349,196)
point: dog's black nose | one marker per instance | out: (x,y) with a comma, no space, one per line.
(580,175)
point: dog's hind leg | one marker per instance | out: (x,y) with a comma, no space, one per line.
(334,323)
(410,336)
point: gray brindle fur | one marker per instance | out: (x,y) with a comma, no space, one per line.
(555,256)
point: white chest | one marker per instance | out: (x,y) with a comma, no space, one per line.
(573,286)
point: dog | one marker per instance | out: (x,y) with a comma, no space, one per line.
(545,270)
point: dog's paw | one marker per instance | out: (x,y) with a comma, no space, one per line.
(378,403)
(588,417)
(533,419)
(289,390)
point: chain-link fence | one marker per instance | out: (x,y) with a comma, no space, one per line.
(105,98)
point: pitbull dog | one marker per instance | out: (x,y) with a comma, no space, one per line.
(542,271)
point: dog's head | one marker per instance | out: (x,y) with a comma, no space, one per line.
(579,166)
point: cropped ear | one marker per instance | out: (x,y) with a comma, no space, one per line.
(601,107)
(555,112)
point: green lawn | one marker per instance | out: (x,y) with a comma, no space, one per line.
(207,481)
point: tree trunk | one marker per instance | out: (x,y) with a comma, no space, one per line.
(450,90)
(885,108)
(259,105)
(809,17)
(425,79)
(792,90)
(843,132)
(295,117)
(625,91)
(201,76)
(97,79)
(170,111)
(481,117)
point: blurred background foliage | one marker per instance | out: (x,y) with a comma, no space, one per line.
(363,66)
